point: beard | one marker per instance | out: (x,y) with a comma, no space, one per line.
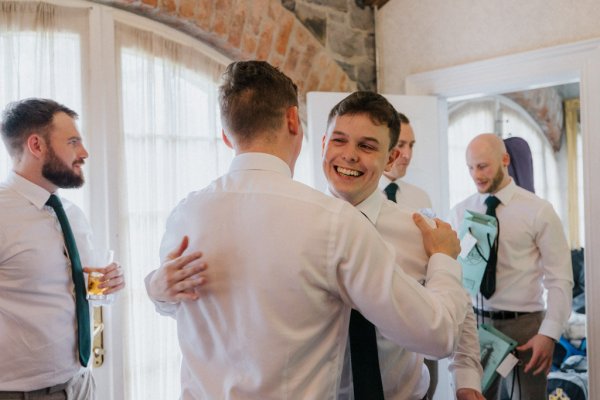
(497,181)
(59,173)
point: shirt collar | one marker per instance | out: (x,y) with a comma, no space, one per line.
(371,206)
(504,195)
(260,161)
(37,195)
(384,181)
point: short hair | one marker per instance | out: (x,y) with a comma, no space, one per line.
(21,119)
(254,98)
(379,110)
(403,118)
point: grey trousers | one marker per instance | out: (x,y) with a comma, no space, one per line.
(527,386)
(80,387)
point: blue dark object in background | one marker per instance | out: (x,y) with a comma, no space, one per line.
(521,162)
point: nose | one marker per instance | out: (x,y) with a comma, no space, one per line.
(83,153)
(350,155)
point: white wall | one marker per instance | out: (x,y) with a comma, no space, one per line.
(418,36)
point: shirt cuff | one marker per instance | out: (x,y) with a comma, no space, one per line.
(440,261)
(465,378)
(551,329)
(162,307)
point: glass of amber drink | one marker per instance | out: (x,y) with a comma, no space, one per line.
(95,294)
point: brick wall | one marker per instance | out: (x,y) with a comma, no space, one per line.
(251,29)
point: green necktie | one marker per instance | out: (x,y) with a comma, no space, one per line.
(81,303)
(364,357)
(488,283)
(390,191)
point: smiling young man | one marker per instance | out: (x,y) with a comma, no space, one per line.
(531,299)
(358,147)
(44,316)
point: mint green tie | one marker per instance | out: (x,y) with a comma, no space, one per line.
(81,303)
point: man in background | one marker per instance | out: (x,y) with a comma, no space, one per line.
(287,265)
(411,196)
(531,257)
(45,339)
(404,193)
(358,148)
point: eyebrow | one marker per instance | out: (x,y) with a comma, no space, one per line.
(365,138)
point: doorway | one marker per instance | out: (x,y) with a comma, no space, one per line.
(547,67)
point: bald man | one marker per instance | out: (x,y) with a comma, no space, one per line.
(533,256)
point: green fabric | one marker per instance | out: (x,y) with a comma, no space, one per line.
(81,303)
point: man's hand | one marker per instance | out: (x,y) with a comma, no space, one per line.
(468,394)
(112,279)
(542,348)
(441,239)
(178,278)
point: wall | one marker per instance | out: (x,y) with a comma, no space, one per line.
(419,36)
(346,31)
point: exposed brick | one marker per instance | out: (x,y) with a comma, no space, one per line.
(313,82)
(301,35)
(275,10)
(249,45)
(153,3)
(168,6)
(265,41)
(237,27)
(256,14)
(276,60)
(204,13)
(307,62)
(186,8)
(222,18)
(286,23)
(329,79)
(291,62)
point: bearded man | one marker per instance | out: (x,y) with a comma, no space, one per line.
(532,257)
(44,315)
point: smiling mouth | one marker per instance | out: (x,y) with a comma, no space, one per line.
(348,172)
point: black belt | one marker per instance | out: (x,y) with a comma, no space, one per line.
(500,314)
(48,390)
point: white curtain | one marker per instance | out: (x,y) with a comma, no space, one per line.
(43,51)
(464,124)
(171,146)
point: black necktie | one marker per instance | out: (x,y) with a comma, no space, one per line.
(81,303)
(488,283)
(390,191)
(366,376)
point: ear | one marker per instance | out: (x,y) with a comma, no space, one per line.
(36,145)
(323,140)
(392,157)
(226,139)
(505,160)
(292,118)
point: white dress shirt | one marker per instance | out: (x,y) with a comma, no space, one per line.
(533,255)
(286,265)
(404,375)
(38,326)
(410,195)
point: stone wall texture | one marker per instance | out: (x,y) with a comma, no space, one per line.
(266,30)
